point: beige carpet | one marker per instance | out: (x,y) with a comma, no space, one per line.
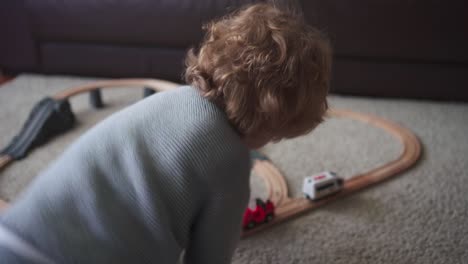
(421,216)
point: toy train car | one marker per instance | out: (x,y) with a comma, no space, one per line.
(263,213)
(321,185)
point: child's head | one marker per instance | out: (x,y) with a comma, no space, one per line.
(267,70)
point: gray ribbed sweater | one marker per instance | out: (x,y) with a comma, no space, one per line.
(163,175)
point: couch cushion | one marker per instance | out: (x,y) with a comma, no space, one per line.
(17,45)
(406,31)
(409,80)
(112,61)
(172,23)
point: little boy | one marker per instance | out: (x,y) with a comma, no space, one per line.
(171,173)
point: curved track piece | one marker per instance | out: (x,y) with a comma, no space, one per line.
(288,208)
(274,181)
(4,161)
(157,85)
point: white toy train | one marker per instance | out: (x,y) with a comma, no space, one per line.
(322,184)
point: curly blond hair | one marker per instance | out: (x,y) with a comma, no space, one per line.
(267,69)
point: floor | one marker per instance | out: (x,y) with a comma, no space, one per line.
(418,217)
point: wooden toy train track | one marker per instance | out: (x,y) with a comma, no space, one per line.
(286,207)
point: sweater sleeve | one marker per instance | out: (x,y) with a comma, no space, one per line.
(217,228)
(217,231)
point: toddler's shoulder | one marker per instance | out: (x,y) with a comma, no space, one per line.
(195,124)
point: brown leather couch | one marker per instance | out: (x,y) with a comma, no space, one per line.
(385,48)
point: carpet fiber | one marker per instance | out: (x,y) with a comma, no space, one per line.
(420,216)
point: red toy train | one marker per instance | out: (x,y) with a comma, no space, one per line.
(263,212)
